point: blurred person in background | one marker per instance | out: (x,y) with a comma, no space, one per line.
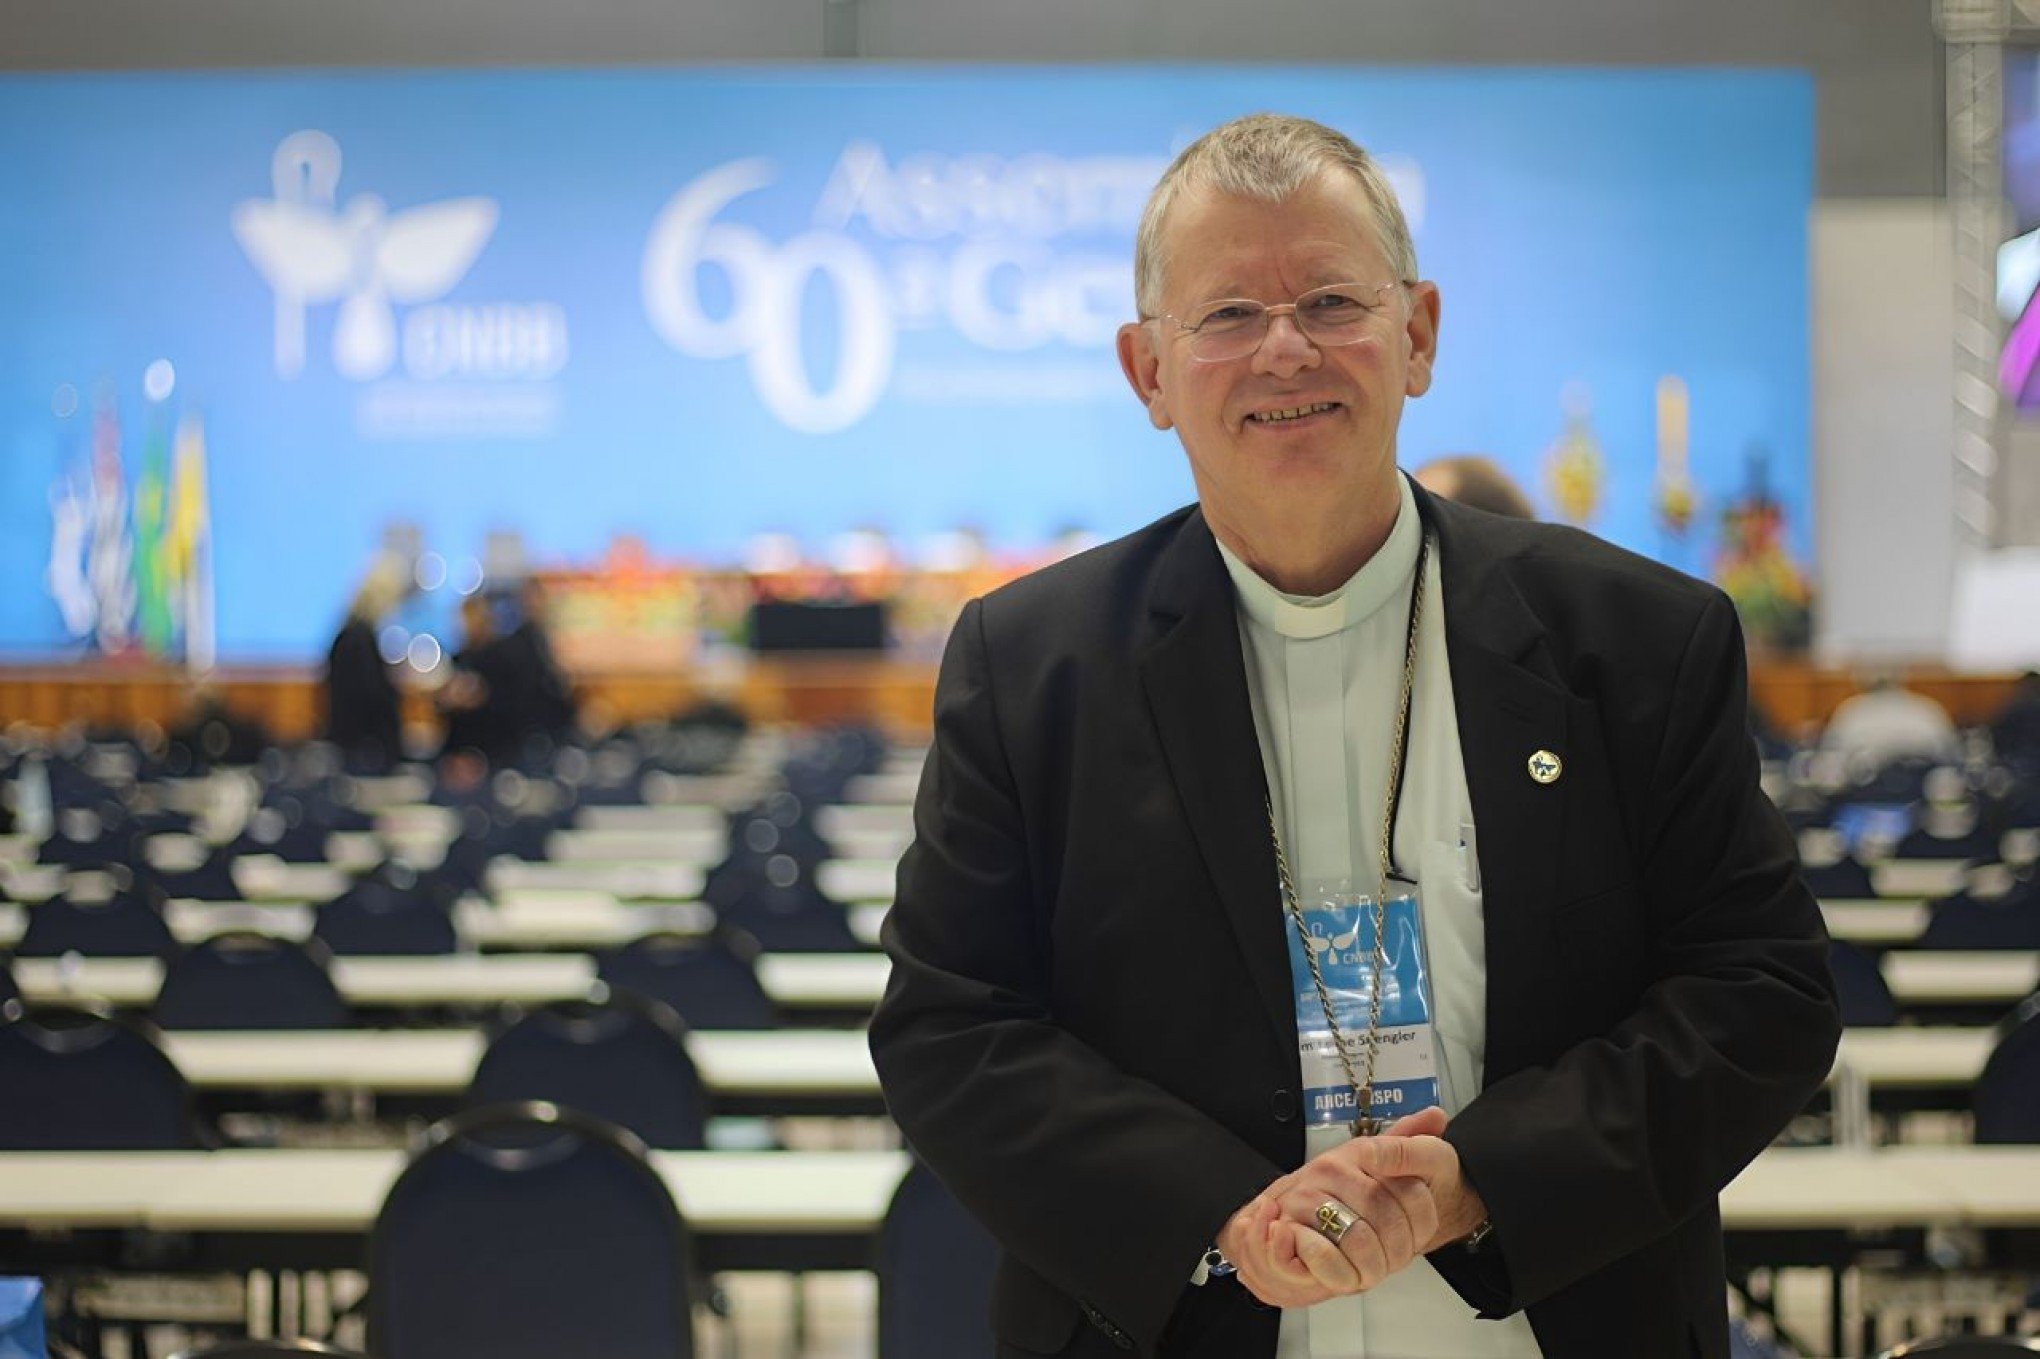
(1889,722)
(1471,479)
(530,643)
(506,688)
(363,709)
(2015,731)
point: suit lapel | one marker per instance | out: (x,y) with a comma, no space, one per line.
(1195,678)
(1510,705)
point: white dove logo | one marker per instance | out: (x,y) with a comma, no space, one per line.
(363,254)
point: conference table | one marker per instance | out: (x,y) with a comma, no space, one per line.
(1990,982)
(266,1208)
(841,984)
(1993,979)
(1876,922)
(825,1061)
(762,1072)
(313,1208)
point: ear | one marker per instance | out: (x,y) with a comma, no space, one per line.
(1143,369)
(1420,335)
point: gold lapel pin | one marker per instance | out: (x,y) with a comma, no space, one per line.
(1545,767)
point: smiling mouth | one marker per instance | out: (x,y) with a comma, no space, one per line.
(1292,413)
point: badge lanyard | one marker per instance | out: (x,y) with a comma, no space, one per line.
(1364,1122)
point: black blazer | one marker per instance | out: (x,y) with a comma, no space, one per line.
(1088,1030)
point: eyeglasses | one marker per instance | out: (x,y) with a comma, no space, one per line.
(1234,327)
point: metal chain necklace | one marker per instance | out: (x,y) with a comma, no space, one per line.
(1364,1122)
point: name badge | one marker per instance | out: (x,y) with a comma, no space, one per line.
(1338,933)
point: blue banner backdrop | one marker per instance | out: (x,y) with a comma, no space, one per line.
(698,304)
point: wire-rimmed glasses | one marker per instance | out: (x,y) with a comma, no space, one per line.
(1233,327)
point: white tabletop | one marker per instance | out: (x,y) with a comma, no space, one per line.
(1932,976)
(1916,1057)
(1927,878)
(827,980)
(453,979)
(794,1192)
(693,818)
(664,880)
(701,846)
(896,786)
(858,880)
(794,980)
(442,1061)
(262,1190)
(526,918)
(1875,920)
(264,877)
(1828,1187)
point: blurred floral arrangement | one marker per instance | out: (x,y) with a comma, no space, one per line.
(1770,590)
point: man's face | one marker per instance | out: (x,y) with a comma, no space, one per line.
(1255,475)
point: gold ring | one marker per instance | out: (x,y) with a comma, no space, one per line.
(1334,1220)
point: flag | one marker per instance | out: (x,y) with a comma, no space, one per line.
(70,537)
(109,560)
(188,542)
(155,588)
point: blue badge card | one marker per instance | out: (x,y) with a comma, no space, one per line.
(1338,930)
(21,1319)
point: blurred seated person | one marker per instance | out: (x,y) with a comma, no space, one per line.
(505,687)
(1888,722)
(210,734)
(475,701)
(531,642)
(2015,731)
(363,715)
(1471,479)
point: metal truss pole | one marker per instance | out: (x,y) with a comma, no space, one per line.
(1974,32)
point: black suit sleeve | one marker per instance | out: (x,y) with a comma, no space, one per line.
(1103,1184)
(1626,1135)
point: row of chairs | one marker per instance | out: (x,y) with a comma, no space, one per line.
(248,980)
(531,1224)
(85,1080)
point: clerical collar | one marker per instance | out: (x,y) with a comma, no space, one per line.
(1381,578)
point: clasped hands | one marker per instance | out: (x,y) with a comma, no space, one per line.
(1406,1195)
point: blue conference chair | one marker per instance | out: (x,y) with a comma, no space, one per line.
(1980,843)
(289,828)
(935,1266)
(81,1081)
(2006,1098)
(619,1057)
(785,910)
(210,880)
(1864,998)
(246,980)
(378,918)
(1843,880)
(126,926)
(711,982)
(1967,922)
(529,1231)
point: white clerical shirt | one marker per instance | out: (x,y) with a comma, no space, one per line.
(1324,675)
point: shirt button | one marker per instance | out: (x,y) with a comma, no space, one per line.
(1282,1104)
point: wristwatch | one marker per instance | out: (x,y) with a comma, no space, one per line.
(1477,1238)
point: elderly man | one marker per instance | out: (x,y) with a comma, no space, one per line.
(1340,923)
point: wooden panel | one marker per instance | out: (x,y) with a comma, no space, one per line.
(807,690)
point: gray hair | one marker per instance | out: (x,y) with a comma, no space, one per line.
(1269,157)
